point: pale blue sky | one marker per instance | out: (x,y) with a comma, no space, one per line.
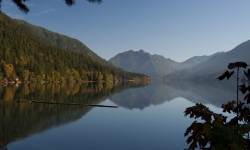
(176,29)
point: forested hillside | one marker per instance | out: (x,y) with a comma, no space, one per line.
(62,41)
(27,57)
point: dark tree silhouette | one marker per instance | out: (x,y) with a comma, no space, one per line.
(20,4)
(222,131)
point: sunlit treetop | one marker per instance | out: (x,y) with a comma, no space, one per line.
(20,4)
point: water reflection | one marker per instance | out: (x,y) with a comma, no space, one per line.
(20,120)
(157,93)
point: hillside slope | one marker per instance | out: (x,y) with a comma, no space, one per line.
(29,58)
(216,65)
(62,41)
(196,60)
(239,53)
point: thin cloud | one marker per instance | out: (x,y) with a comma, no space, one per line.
(44,12)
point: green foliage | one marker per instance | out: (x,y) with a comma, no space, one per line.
(61,41)
(28,57)
(219,131)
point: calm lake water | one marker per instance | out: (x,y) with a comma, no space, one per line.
(147,117)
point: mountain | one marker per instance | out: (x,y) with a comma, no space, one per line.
(26,56)
(167,61)
(193,61)
(152,65)
(239,53)
(216,65)
(142,62)
(62,41)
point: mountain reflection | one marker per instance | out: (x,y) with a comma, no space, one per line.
(157,93)
(20,120)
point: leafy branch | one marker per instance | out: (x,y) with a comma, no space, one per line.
(22,7)
(218,131)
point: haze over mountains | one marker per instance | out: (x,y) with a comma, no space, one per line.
(216,65)
(154,65)
(195,68)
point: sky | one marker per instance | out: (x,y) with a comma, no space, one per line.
(176,29)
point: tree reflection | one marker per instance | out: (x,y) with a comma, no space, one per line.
(20,120)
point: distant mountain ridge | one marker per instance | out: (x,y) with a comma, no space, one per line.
(152,65)
(195,68)
(193,61)
(214,66)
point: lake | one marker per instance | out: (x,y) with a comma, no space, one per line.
(147,117)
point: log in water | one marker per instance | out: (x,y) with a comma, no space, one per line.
(54,102)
